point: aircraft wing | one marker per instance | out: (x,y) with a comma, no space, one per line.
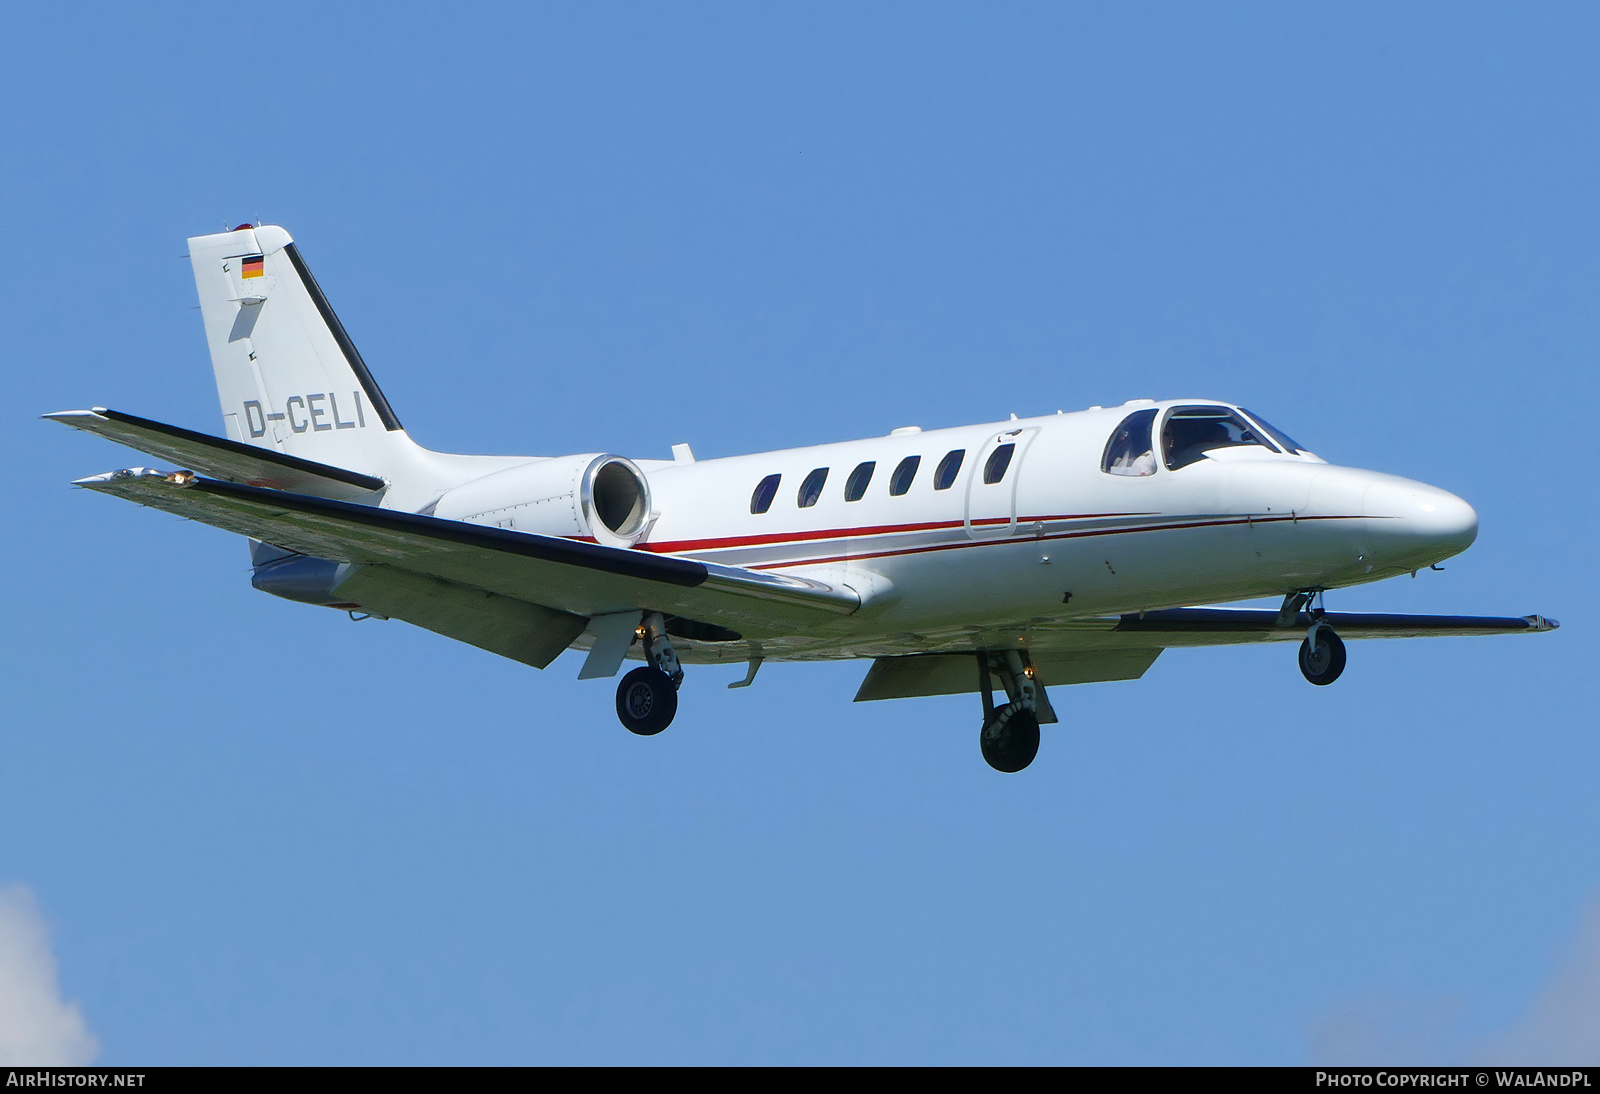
(1124,647)
(221,458)
(1224,626)
(584,579)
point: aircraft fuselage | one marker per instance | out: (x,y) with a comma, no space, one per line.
(1055,535)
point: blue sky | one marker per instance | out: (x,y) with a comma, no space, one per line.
(246,831)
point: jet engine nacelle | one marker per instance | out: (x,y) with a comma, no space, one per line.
(599,495)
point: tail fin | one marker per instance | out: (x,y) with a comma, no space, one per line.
(288,376)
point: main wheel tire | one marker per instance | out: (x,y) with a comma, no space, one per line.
(1322,663)
(646,701)
(1010,740)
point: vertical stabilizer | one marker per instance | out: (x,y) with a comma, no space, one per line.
(288,376)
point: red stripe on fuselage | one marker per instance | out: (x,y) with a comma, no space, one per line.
(681,545)
(1037,539)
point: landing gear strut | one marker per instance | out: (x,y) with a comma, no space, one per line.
(647,698)
(1009,739)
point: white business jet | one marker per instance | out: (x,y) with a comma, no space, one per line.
(1033,552)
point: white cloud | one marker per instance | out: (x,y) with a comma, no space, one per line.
(37,1029)
(1386,1028)
(1562,1026)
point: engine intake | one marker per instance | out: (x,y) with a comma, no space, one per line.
(616,497)
(600,496)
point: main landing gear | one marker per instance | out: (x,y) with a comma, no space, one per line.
(1322,651)
(647,698)
(1009,739)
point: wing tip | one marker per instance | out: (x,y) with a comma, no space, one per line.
(108,478)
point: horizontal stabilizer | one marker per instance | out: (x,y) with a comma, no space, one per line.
(220,458)
(585,579)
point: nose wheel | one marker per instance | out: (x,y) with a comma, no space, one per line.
(1321,655)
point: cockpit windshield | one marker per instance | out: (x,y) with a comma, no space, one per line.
(1192,431)
(1286,442)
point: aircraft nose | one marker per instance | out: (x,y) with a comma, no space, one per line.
(1431,519)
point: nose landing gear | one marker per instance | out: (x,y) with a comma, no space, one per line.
(1322,652)
(647,698)
(1321,655)
(1009,739)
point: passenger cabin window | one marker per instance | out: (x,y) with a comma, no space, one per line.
(944,476)
(994,469)
(766,490)
(1285,442)
(856,485)
(1130,450)
(905,471)
(811,489)
(1192,431)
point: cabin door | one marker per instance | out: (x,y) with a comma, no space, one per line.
(991,511)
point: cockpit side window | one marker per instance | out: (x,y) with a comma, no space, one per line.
(1130,450)
(1192,431)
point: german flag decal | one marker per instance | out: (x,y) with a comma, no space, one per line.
(254,266)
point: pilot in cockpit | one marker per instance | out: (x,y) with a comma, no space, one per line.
(1130,451)
(1185,440)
